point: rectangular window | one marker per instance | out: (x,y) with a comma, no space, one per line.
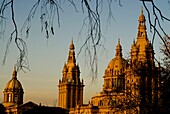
(9,98)
(15,98)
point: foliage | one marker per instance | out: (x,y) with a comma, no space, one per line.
(2,109)
(165,76)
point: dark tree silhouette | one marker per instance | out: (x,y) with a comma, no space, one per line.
(2,109)
(165,76)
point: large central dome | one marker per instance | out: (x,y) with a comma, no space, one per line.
(114,74)
(118,64)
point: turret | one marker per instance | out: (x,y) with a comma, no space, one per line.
(13,92)
(141,48)
(118,49)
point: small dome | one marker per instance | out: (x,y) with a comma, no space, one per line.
(13,84)
(13,92)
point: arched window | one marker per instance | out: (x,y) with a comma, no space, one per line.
(9,97)
(107,83)
(100,103)
(15,98)
(118,82)
(115,82)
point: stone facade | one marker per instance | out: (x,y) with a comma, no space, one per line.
(129,86)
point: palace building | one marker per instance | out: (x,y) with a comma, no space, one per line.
(13,96)
(130,86)
(13,100)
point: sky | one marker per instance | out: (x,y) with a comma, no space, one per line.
(47,57)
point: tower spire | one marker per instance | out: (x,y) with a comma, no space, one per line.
(14,74)
(118,49)
(119,41)
(141,11)
(142,41)
(142,26)
(72,45)
(70,83)
(71,56)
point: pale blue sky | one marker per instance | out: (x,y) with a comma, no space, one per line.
(46,58)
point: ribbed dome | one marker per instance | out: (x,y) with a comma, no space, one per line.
(13,84)
(117,63)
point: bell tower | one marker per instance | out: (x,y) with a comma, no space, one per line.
(140,77)
(70,86)
(142,49)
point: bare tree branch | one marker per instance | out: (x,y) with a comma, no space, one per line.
(21,45)
(156,24)
(92,22)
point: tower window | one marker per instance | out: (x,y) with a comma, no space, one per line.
(9,98)
(141,33)
(15,98)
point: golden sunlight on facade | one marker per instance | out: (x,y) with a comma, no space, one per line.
(130,86)
(13,93)
(127,84)
(70,87)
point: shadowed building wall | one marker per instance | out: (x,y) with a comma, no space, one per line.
(130,86)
